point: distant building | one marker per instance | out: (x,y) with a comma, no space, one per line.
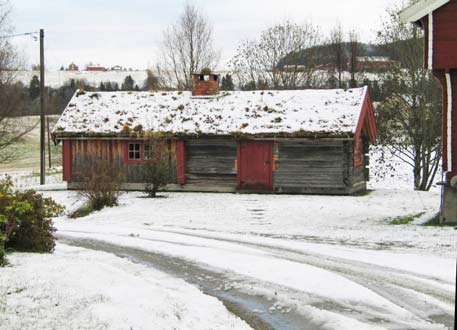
(116,68)
(374,63)
(73,67)
(96,68)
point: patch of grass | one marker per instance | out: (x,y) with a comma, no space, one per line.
(28,149)
(83,211)
(362,193)
(436,222)
(404,220)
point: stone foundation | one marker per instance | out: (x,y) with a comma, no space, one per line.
(449,212)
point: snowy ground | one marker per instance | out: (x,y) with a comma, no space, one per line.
(80,289)
(328,262)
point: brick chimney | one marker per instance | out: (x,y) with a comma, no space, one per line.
(205,83)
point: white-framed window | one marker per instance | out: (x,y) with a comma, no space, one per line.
(134,151)
(149,151)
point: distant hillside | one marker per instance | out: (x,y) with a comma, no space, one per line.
(323,53)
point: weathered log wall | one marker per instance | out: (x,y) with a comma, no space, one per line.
(83,152)
(211,163)
(315,167)
(300,167)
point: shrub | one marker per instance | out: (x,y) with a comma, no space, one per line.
(157,172)
(3,222)
(25,220)
(101,181)
(83,211)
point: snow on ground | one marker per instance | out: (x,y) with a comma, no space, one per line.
(80,289)
(30,179)
(335,260)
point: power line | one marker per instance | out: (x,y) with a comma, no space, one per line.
(32,34)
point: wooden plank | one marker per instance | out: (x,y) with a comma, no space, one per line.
(181,162)
(67,161)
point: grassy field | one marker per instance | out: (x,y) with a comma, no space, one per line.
(28,150)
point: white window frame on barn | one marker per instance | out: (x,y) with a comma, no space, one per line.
(149,152)
(135,152)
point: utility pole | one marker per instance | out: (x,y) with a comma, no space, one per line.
(49,143)
(42,119)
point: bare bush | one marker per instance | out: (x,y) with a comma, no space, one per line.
(101,181)
(157,169)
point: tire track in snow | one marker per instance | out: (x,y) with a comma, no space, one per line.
(253,309)
(397,286)
(419,294)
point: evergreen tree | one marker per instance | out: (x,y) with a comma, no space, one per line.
(102,87)
(108,86)
(34,88)
(128,84)
(227,83)
(115,86)
(250,86)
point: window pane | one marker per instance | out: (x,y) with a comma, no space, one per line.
(148,151)
(134,151)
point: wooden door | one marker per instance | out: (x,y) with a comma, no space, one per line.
(255,165)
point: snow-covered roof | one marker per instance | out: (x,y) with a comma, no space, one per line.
(420,9)
(228,113)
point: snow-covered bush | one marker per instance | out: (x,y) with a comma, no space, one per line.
(25,220)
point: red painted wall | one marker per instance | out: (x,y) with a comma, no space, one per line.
(66,161)
(445,36)
(181,162)
(255,165)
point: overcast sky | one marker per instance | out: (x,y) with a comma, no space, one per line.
(129,32)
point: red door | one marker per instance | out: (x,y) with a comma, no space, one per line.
(255,169)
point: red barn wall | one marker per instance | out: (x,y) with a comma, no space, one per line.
(445,36)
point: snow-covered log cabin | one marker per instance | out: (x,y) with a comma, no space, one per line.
(300,141)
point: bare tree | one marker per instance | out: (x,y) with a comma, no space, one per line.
(152,82)
(12,99)
(409,117)
(338,52)
(284,57)
(187,48)
(354,52)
